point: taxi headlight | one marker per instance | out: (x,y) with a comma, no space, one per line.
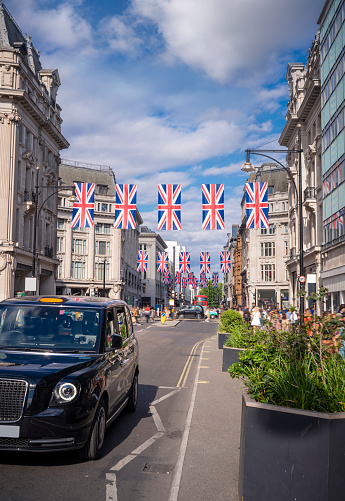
(65,392)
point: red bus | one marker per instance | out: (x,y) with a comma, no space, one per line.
(201,300)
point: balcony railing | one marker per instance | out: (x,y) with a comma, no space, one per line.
(310,193)
(29,196)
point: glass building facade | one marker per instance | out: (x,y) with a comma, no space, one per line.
(332,60)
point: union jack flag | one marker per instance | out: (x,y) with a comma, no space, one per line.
(163,261)
(166,277)
(215,278)
(202,275)
(256,205)
(83,210)
(225,263)
(177,279)
(213,207)
(143,259)
(205,262)
(126,206)
(169,206)
(184,262)
(203,282)
(184,282)
(191,278)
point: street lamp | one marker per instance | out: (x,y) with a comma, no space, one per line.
(249,167)
(37,214)
(104,264)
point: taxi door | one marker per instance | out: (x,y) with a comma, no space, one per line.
(129,348)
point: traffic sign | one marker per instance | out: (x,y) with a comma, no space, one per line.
(163,317)
(302,279)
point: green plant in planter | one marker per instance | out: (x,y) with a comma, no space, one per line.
(293,370)
(229,320)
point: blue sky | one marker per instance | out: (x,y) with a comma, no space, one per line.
(172,91)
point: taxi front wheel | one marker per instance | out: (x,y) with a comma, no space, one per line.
(93,447)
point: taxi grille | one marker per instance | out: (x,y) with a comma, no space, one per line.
(12,397)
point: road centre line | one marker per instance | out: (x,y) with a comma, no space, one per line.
(182,452)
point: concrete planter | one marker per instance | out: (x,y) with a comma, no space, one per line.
(291,454)
(222,337)
(230,356)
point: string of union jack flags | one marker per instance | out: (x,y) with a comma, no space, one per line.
(169,218)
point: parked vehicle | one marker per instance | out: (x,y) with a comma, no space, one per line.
(213,313)
(191,312)
(68,367)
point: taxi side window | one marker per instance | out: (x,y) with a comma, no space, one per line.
(121,322)
(129,322)
(110,328)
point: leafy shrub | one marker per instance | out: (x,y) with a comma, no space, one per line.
(230,319)
(293,369)
(242,336)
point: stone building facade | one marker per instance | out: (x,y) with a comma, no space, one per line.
(154,291)
(31,139)
(304,112)
(229,278)
(265,251)
(91,259)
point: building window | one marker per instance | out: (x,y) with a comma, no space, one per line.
(106,228)
(60,224)
(286,227)
(270,190)
(102,190)
(78,246)
(60,270)
(99,271)
(104,207)
(286,244)
(142,247)
(102,248)
(271,229)
(59,244)
(98,228)
(78,270)
(268,273)
(268,249)
(263,231)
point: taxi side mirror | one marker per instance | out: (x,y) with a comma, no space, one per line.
(116,341)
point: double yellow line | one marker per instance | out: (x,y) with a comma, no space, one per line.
(182,381)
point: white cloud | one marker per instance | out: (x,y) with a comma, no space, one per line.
(234,39)
(60,28)
(120,35)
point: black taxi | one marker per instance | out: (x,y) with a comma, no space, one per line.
(68,366)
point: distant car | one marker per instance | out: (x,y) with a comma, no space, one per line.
(213,314)
(68,366)
(191,312)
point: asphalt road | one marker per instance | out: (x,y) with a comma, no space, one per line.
(141,449)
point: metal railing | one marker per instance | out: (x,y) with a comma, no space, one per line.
(309,193)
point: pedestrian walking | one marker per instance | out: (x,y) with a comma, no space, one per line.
(147,312)
(255,323)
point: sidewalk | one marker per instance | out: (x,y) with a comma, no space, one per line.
(211,464)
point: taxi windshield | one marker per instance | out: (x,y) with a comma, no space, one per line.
(52,328)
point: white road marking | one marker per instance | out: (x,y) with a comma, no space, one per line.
(179,465)
(156,418)
(111,491)
(155,402)
(111,487)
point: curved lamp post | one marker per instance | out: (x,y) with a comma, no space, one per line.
(249,167)
(37,214)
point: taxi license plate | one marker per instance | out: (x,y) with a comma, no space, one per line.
(9,431)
